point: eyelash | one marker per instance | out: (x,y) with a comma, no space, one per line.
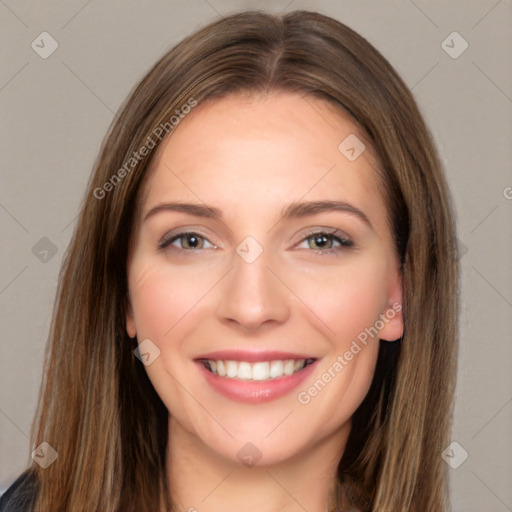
(335,235)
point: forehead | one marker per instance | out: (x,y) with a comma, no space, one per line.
(239,151)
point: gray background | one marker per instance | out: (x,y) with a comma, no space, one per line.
(55,112)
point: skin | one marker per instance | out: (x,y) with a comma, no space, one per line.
(249,157)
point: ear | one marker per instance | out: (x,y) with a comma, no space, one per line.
(130,321)
(392,315)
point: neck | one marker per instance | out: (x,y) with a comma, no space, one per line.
(202,480)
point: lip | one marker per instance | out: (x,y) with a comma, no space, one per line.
(255,392)
(252,356)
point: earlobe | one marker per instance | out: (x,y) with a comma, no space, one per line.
(392,323)
(130,321)
(392,317)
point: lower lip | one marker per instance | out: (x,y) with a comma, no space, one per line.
(255,392)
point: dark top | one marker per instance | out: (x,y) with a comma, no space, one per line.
(18,497)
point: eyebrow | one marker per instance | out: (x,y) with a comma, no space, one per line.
(293,210)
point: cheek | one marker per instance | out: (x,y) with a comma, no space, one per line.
(150,300)
(163,295)
(349,302)
(347,299)
(162,298)
(165,305)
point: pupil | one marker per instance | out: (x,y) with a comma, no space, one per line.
(320,240)
(194,241)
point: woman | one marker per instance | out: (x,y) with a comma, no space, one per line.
(258,307)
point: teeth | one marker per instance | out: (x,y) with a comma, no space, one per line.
(232,369)
(260,371)
(276,369)
(244,371)
(221,370)
(288,366)
(263,370)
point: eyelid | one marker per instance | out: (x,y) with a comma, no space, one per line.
(344,239)
(326,231)
(171,236)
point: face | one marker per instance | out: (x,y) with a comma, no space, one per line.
(259,302)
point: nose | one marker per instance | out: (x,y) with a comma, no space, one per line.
(253,294)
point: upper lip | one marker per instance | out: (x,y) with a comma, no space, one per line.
(252,356)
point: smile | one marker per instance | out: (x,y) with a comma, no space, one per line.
(254,377)
(259,371)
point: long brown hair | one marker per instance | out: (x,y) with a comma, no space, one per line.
(97,407)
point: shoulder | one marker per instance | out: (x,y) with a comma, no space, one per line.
(18,497)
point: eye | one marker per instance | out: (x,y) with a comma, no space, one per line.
(188,239)
(324,242)
(320,241)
